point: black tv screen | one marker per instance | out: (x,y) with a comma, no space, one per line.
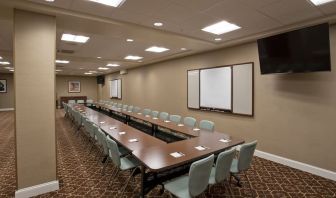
(304,50)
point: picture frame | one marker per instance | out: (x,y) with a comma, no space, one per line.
(74,86)
(3,86)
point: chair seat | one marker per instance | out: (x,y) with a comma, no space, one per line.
(178,187)
(123,151)
(234,166)
(128,162)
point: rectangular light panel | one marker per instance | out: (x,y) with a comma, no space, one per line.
(320,2)
(221,28)
(156,49)
(74,38)
(131,57)
(113,3)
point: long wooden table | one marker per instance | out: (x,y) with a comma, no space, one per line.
(154,154)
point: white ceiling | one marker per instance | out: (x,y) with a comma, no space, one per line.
(109,27)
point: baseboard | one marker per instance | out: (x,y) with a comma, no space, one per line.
(37,190)
(7,109)
(298,165)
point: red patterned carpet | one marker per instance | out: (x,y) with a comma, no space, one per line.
(80,174)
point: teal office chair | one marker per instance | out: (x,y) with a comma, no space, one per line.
(122,163)
(89,102)
(221,172)
(164,116)
(207,125)
(146,112)
(243,162)
(195,183)
(136,109)
(71,101)
(155,114)
(130,108)
(189,121)
(175,118)
(80,101)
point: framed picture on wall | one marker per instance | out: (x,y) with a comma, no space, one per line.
(3,86)
(74,87)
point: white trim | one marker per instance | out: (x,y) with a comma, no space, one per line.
(37,190)
(7,109)
(298,165)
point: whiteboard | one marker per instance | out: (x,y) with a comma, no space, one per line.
(193,89)
(243,89)
(215,88)
(115,88)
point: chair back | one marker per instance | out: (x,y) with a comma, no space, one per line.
(207,125)
(80,101)
(175,118)
(164,116)
(119,105)
(199,175)
(155,114)
(102,141)
(113,151)
(245,155)
(125,107)
(189,121)
(136,109)
(223,165)
(71,101)
(146,111)
(130,108)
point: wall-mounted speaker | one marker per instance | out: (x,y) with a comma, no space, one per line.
(100,80)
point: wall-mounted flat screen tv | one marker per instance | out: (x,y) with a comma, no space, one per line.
(304,50)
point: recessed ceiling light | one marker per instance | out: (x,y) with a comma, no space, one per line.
(218,39)
(99,57)
(320,2)
(87,73)
(131,57)
(74,38)
(158,24)
(113,3)
(221,28)
(103,68)
(183,49)
(62,61)
(50,0)
(58,70)
(156,49)
(129,40)
(4,63)
(112,65)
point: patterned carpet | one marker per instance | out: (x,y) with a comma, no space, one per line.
(80,174)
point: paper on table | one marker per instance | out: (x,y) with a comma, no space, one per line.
(167,121)
(133,140)
(147,116)
(180,125)
(139,113)
(155,118)
(177,154)
(102,122)
(201,148)
(196,129)
(113,128)
(122,133)
(224,140)
(129,111)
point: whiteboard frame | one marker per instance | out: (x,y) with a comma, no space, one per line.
(221,111)
(118,97)
(188,88)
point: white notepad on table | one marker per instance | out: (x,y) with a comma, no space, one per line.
(133,140)
(196,129)
(122,133)
(224,140)
(180,125)
(177,154)
(113,128)
(167,121)
(201,148)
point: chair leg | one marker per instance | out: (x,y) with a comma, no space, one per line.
(105,165)
(229,188)
(122,192)
(114,176)
(252,192)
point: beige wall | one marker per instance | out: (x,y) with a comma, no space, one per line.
(34,60)
(88,86)
(294,113)
(7,99)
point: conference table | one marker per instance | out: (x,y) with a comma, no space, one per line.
(160,161)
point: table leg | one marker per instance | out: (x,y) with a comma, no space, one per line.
(143,175)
